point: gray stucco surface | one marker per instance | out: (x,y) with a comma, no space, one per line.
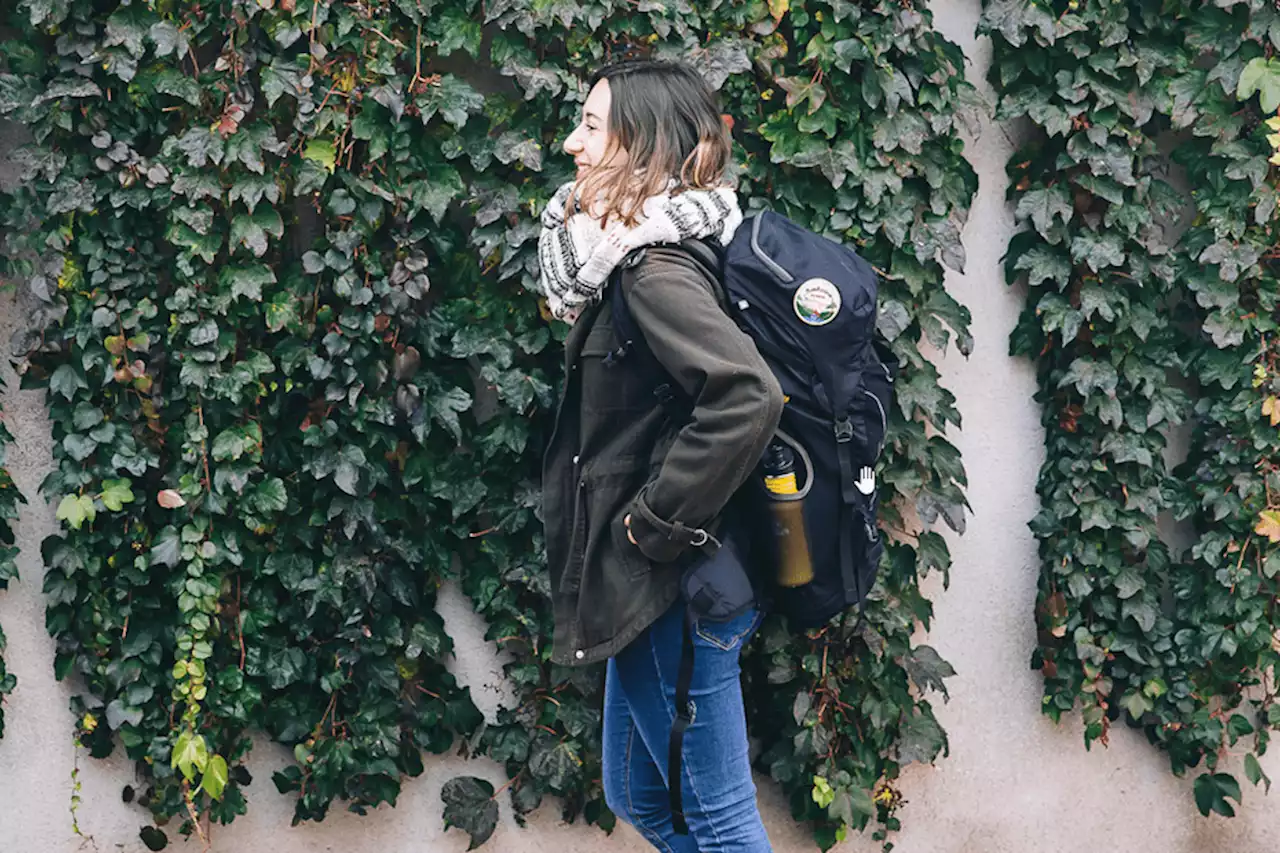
(1014,782)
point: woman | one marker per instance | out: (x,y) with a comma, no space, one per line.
(636,483)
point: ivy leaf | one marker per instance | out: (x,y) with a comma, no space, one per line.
(1212,791)
(453,98)
(270,496)
(800,90)
(119,714)
(1262,76)
(322,152)
(171,82)
(277,79)
(446,406)
(1042,264)
(1098,249)
(168,39)
(1136,704)
(190,755)
(215,778)
(170,499)
(1013,19)
(922,740)
(513,147)
(556,763)
(166,549)
(927,669)
(1269,525)
(116,493)
(66,380)
(469,805)
(1253,771)
(252,230)
(75,510)
(1043,206)
(892,319)
(247,281)
(1090,377)
(283,311)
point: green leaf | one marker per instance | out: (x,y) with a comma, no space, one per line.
(116,493)
(1253,771)
(252,230)
(247,281)
(470,806)
(1212,791)
(1043,206)
(927,669)
(1136,704)
(270,496)
(922,739)
(1098,249)
(172,82)
(1262,76)
(190,755)
(166,550)
(75,510)
(215,778)
(322,152)
(66,380)
(1042,264)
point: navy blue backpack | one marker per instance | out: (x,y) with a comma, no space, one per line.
(810,306)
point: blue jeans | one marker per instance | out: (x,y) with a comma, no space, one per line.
(639,708)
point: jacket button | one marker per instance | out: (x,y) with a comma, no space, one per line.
(575,459)
(579,654)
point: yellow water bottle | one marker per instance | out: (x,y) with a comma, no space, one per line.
(795,567)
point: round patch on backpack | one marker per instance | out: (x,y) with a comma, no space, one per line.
(817,302)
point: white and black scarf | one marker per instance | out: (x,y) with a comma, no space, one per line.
(578,256)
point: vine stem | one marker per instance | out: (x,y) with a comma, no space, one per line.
(195,817)
(204,450)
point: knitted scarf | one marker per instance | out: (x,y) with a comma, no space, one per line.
(578,256)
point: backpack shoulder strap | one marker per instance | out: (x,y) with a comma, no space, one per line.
(631,337)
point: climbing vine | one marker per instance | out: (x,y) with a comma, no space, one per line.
(1137,324)
(10,499)
(299,379)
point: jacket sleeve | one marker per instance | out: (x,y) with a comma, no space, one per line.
(737,403)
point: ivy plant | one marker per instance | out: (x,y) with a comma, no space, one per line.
(10,500)
(284,254)
(1139,321)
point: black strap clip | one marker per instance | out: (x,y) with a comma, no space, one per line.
(844,430)
(615,356)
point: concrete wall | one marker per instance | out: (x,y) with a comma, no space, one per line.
(1014,782)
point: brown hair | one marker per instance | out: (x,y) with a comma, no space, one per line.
(667,120)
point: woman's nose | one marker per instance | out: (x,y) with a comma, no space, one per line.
(571,145)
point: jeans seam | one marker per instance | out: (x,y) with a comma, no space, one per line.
(651,833)
(751,626)
(684,767)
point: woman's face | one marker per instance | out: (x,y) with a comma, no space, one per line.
(590,139)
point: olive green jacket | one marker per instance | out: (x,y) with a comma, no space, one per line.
(617,450)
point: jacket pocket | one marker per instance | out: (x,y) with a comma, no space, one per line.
(609,485)
(631,559)
(611,379)
(571,581)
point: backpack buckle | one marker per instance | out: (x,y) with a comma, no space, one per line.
(844,430)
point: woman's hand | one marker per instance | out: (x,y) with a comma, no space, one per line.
(627,523)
